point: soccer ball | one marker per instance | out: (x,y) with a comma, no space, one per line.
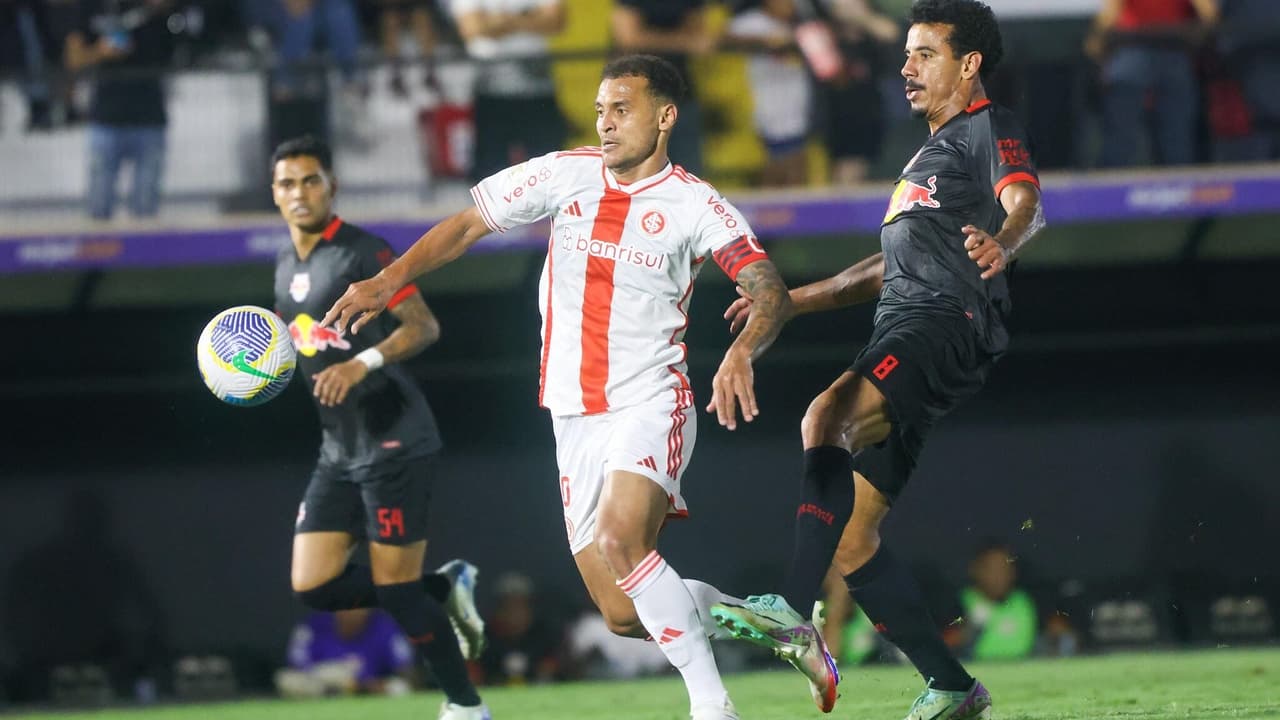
(245,355)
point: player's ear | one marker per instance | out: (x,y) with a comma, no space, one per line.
(971,64)
(667,116)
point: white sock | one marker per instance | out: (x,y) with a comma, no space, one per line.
(704,596)
(667,611)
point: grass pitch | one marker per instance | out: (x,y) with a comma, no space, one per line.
(1222,683)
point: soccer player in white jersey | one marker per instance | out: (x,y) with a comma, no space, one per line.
(630,232)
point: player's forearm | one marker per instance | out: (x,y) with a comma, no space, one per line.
(771,308)
(408,340)
(442,244)
(859,283)
(1020,226)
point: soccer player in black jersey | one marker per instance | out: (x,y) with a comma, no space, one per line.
(964,205)
(378,436)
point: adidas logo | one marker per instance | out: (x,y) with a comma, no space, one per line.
(669,634)
(648,462)
(573,209)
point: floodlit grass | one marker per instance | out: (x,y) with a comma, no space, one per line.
(1223,683)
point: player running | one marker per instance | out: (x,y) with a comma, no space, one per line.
(378,437)
(630,233)
(964,205)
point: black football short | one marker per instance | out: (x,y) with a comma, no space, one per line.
(385,503)
(925,363)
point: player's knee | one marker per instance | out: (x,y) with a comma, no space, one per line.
(824,424)
(857,546)
(616,549)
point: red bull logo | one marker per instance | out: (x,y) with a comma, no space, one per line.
(908,195)
(310,338)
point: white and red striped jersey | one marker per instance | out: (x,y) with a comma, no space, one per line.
(619,273)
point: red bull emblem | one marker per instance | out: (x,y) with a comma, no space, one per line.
(908,195)
(310,338)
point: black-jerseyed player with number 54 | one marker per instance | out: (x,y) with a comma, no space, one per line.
(379,439)
(965,204)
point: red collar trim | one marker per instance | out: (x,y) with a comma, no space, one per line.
(977,105)
(331,229)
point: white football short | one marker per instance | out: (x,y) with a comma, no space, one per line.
(654,439)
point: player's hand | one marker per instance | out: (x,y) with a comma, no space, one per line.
(362,302)
(334,382)
(740,311)
(734,386)
(986,251)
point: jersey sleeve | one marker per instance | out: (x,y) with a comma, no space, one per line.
(518,195)
(374,256)
(723,233)
(1008,154)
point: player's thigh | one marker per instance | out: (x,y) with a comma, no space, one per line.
(329,519)
(318,557)
(396,498)
(850,413)
(601,582)
(861,536)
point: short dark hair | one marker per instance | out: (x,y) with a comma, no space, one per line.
(308,145)
(973,27)
(664,79)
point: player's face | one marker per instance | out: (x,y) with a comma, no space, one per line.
(629,121)
(932,71)
(303,191)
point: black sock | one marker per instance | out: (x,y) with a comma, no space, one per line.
(351,589)
(826,504)
(427,626)
(354,589)
(889,595)
(438,586)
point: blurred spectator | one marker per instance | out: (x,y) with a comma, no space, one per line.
(596,653)
(1000,620)
(78,611)
(524,646)
(1146,52)
(1249,42)
(394,17)
(677,30)
(345,652)
(24,42)
(298,24)
(852,109)
(127,45)
(516,115)
(780,89)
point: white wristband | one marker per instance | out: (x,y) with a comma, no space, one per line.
(372,358)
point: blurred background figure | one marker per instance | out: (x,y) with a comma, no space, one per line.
(25,45)
(126,44)
(525,644)
(851,109)
(1146,51)
(594,652)
(78,611)
(346,652)
(1000,621)
(1249,46)
(516,115)
(676,30)
(415,16)
(781,93)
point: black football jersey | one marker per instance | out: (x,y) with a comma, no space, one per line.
(384,417)
(954,180)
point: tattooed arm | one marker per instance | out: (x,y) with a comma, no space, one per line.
(734,383)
